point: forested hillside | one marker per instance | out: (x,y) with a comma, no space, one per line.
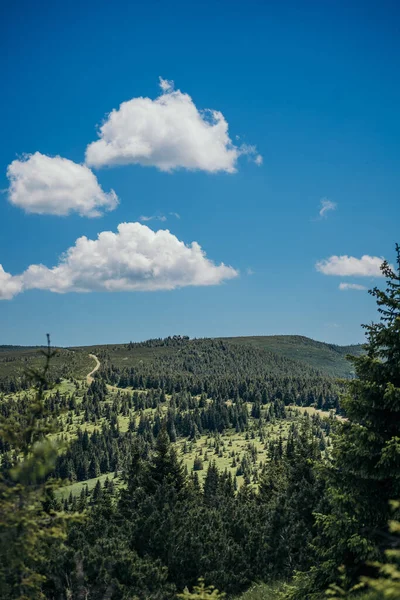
(218,368)
(329,358)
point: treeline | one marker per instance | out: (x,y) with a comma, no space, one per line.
(174,340)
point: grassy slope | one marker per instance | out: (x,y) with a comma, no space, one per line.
(204,447)
(75,488)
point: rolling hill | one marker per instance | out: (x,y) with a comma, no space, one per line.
(329,359)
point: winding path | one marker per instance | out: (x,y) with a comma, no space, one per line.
(89,376)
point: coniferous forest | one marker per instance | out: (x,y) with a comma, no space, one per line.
(178,467)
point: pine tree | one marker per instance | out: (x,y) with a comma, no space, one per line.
(97,492)
(165,466)
(82,500)
(198,464)
(211,484)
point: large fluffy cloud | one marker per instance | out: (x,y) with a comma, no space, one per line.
(169,133)
(366,266)
(54,185)
(136,258)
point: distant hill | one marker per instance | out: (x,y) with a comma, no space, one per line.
(329,358)
(221,368)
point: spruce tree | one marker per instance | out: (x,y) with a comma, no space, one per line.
(166,467)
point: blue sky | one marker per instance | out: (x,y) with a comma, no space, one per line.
(313,86)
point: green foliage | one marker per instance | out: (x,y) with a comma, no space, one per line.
(202,592)
(385,585)
(264,591)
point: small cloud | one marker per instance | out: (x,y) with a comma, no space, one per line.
(349,266)
(53,185)
(326,206)
(175,214)
(166,85)
(251,152)
(351,286)
(249,271)
(144,218)
(333,325)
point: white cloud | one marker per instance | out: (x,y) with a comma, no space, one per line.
(57,186)
(166,85)
(249,271)
(145,218)
(326,206)
(175,214)
(351,286)
(348,266)
(168,133)
(9,286)
(135,258)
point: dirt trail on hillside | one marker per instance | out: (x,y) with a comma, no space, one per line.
(89,376)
